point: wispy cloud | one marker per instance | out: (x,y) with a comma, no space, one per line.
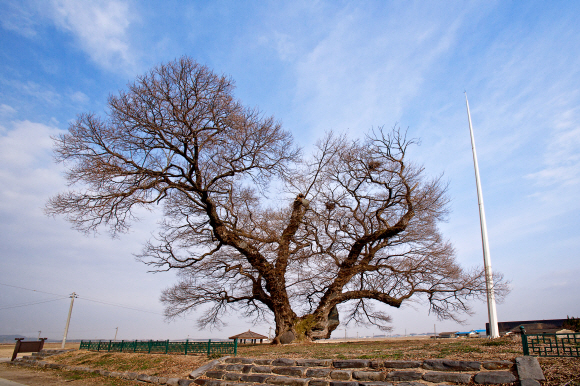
(27,169)
(18,17)
(79,97)
(359,76)
(562,156)
(101,29)
(6,110)
(43,93)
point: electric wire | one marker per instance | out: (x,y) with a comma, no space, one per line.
(118,305)
(31,304)
(79,297)
(33,290)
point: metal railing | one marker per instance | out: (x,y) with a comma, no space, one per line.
(162,347)
(551,345)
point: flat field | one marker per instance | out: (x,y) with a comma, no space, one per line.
(6,349)
(558,371)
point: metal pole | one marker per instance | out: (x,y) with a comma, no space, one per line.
(39,334)
(72,300)
(116,331)
(491,309)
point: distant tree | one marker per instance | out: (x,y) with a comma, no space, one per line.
(353,225)
(572,323)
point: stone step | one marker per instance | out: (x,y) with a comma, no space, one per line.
(429,364)
(354,372)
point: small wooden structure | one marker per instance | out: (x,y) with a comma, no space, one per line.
(253,337)
(30,346)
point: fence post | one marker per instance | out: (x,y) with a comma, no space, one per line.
(109,349)
(236,347)
(150,344)
(524,341)
(135,346)
(186,342)
(208,347)
(166,346)
(122,345)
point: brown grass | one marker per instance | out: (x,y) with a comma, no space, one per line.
(161,365)
(558,371)
(467,349)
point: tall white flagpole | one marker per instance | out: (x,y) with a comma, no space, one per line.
(491,310)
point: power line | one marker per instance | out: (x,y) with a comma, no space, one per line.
(30,304)
(120,306)
(33,290)
(83,298)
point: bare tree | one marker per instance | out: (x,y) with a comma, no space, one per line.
(355,224)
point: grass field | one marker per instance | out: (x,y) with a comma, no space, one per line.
(558,371)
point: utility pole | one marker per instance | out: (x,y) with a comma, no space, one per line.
(39,334)
(491,309)
(116,331)
(72,300)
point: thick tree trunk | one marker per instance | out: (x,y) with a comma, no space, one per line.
(285,330)
(324,325)
(306,328)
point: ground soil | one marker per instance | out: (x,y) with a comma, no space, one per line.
(7,349)
(558,371)
(47,377)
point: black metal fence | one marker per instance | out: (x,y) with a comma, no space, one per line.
(162,347)
(551,345)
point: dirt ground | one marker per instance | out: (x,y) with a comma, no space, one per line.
(7,349)
(44,377)
(558,371)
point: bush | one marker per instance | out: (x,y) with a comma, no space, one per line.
(572,324)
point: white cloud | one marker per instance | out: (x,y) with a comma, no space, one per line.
(44,93)
(17,17)
(37,91)
(27,167)
(101,28)
(558,178)
(6,110)
(358,75)
(79,97)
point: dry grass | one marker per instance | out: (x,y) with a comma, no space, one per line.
(558,371)
(472,349)
(561,371)
(171,366)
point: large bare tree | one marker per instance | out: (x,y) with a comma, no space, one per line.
(248,222)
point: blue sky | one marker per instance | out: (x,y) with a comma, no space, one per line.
(315,66)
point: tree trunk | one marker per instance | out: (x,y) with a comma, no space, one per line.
(306,328)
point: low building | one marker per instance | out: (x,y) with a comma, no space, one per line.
(546,326)
(452,334)
(253,337)
(472,334)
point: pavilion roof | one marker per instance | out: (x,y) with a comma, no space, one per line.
(248,335)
